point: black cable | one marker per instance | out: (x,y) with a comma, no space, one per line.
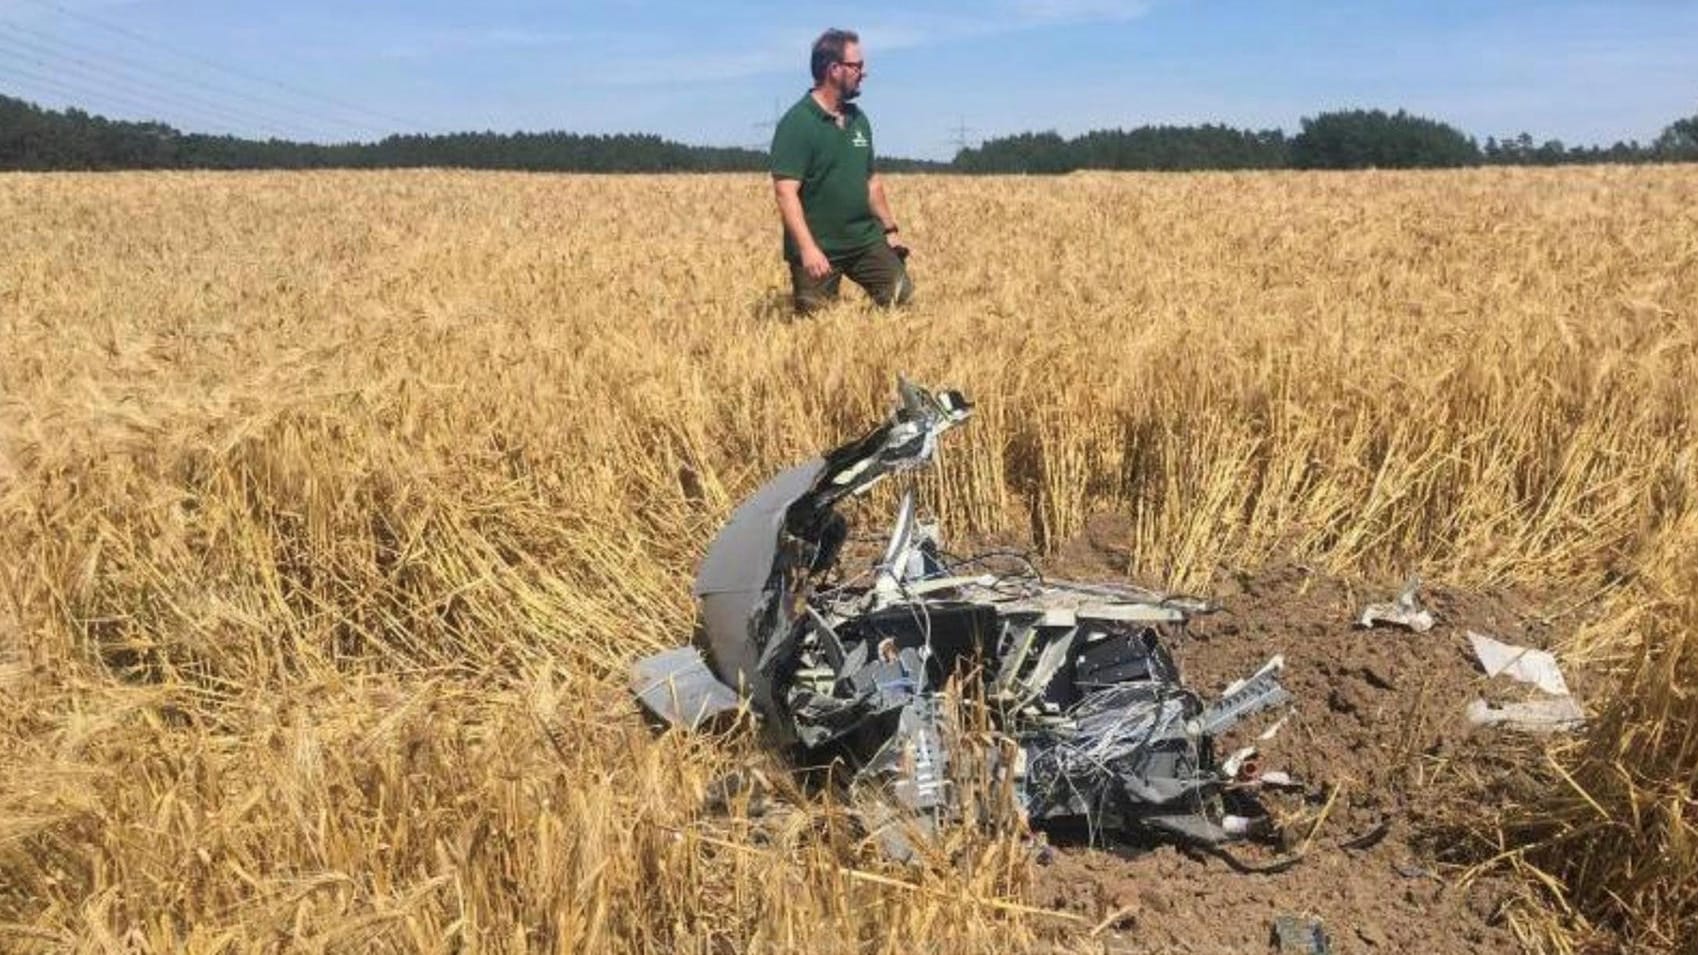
(318,98)
(83,95)
(981,557)
(94,73)
(122,63)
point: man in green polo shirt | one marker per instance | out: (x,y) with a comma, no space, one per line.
(836,219)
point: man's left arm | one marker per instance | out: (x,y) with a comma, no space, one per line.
(881,208)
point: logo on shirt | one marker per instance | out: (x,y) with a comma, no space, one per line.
(859,139)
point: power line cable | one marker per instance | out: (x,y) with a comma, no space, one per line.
(154,71)
(308,95)
(152,104)
(174,101)
(104,100)
(102,97)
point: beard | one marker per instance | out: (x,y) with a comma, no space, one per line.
(849,93)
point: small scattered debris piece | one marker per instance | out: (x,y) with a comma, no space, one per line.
(1273,730)
(1559,714)
(1406,611)
(1410,870)
(1537,667)
(1042,852)
(1241,760)
(1296,935)
(678,687)
(1556,712)
(1369,839)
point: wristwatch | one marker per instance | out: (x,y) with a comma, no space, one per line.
(891,230)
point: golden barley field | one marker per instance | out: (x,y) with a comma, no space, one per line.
(333,507)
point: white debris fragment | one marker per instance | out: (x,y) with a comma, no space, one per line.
(1535,716)
(1537,667)
(1405,611)
(1558,711)
(1277,778)
(1273,730)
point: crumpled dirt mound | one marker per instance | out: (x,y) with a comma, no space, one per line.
(1375,729)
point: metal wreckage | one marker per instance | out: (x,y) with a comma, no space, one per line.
(1076,675)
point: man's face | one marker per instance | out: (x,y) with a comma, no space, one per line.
(847,72)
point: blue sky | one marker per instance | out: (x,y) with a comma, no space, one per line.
(1584,72)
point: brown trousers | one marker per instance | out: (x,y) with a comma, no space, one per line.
(876,268)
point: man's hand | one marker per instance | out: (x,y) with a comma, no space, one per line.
(897,245)
(815,263)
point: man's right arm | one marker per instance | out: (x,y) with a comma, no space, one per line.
(788,192)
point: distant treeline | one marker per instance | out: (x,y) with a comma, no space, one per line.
(1345,139)
(35,138)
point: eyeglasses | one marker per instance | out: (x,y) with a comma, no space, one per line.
(859,66)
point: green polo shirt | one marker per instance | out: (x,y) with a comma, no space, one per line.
(833,165)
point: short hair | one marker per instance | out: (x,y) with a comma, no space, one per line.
(828,49)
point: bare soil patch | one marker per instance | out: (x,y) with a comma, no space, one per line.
(1376,729)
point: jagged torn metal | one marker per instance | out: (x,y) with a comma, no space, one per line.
(1077,675)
